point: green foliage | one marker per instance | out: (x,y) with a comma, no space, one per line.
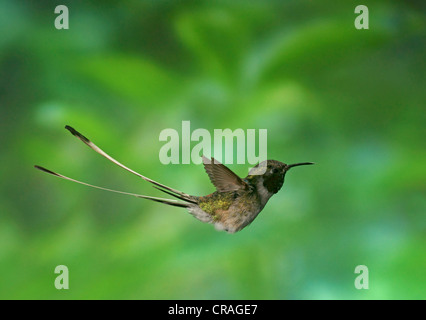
(350,100)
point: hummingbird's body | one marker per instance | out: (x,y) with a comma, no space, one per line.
(234,205)
(229,211)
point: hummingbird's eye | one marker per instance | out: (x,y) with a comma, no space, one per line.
(275,170)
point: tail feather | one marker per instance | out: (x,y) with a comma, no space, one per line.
(187,199)
(161,200)
(94,147)
(171,203)
(173,192)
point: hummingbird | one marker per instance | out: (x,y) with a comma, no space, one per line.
(236,201)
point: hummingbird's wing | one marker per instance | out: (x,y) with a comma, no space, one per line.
(176,193)
(222,177)
(162,200)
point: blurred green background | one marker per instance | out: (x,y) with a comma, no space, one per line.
(353,101)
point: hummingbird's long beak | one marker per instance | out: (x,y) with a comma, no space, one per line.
(298,164)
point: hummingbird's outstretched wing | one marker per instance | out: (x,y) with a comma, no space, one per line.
(175,193)
(162,200)
(222,177)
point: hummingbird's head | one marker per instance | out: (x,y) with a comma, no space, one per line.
(274,173)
